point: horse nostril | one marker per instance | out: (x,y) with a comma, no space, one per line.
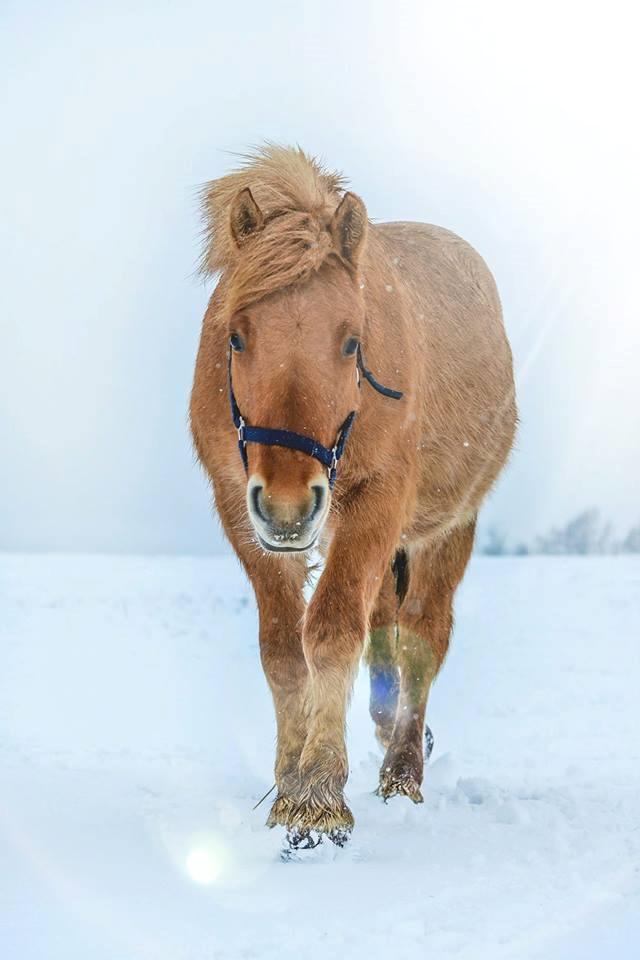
(256,495)
(318,501)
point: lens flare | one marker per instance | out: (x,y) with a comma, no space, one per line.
(203,865)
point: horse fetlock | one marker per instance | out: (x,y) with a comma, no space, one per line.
(280,813)
(322,761)
(317,804)
(288,783)
(320,812)
(287,763)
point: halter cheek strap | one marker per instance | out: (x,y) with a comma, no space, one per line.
(369,377)
(327,456)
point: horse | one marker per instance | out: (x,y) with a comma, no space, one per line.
(353,392)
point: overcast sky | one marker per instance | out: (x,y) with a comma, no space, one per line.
(513,124)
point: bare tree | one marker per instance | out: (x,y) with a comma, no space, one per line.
(631,543)
(583,534)
(496,543)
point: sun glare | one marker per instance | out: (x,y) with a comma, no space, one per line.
(204,865)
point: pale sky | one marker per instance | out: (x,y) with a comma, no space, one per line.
(513,124)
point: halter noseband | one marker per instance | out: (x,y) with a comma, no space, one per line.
(327,456)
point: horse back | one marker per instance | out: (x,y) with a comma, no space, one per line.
(447,303)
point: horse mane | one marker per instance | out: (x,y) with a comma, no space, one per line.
(297,197)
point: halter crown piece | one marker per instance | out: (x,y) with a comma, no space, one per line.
(327,456)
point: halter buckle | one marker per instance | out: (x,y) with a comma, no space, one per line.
(332,469)
(241,426)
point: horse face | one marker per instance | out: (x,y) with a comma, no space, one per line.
(294,368)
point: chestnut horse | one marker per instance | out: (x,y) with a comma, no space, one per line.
(354,389)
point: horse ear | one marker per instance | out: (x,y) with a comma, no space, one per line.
(245,217)
(349,228)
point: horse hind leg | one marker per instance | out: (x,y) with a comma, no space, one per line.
(403,764)
(384,679)
(380,655)
(425,619)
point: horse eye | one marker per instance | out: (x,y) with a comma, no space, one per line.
(350,347)
(237,343)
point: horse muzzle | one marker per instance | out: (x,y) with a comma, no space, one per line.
(288,523)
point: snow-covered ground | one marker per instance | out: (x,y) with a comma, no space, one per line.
(136,734)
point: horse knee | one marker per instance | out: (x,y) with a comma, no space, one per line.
(334,632)
(282,657)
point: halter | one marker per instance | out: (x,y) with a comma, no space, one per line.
(329,457)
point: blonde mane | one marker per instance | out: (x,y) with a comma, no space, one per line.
(297,197)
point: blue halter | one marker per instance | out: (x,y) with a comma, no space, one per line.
(327,456)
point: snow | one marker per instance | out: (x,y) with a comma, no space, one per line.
(137,735)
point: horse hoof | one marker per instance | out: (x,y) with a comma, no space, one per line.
(339,836)
(428,743)
(302,839)
(298,843)
(302,845)
(399,785)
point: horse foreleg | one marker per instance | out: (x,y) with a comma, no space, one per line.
(281,609)
(425,619)
(333,638)
(278,584)
(287,675)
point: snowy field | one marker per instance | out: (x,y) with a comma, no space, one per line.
(136,734)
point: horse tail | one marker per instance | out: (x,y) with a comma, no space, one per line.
(400,568)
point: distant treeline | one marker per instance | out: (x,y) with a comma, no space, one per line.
(586,533)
